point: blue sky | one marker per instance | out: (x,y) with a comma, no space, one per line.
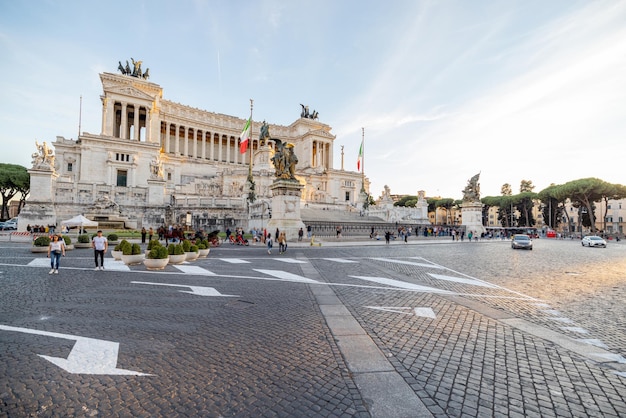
(516,90)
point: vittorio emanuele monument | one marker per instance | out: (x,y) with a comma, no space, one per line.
(156,162)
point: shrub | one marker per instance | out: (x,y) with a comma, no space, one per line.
(206,243)
(125,247)
(153,244)
(158,252)
(186,246)
(83,239)
(112,237)
(67,240)
(201,246)
(175,249)
(42,242)
(136,249)
(193,249)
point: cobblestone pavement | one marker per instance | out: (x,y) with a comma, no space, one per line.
(474,329)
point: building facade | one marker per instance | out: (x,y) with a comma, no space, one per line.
(156,162)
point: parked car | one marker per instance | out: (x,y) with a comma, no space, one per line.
(10,224)
(521,241)
(593,241)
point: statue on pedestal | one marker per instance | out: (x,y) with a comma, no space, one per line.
(284,160)
(471,193)
(44,158)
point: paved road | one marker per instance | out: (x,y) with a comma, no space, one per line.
(429,328)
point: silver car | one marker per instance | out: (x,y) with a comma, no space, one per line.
(521,241)
(593,241)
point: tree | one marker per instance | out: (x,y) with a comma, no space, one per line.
(526,186)
(13,179)
(506,190)
(553,208)
(447,204)
(407,201)
(524,205)
(586,192)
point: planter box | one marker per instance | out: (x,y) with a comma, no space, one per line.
(39,249)
(82,245)
(203,253)
(156,263)
(132,259)
(190,256)
(177,259)
(117,255)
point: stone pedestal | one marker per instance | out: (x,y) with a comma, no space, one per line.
(472,213)
(39,207)
(286,209)
(156,191)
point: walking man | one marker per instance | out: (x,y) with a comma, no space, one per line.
(100,246)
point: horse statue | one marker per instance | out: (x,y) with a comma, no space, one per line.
(146,75)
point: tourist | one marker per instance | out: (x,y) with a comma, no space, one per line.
(56,249)
(150,234)
(300,234)
(282,243)
(268,241)
(143,235)
(99,245)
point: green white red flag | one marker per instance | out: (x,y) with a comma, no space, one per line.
(245,136)
(359,161)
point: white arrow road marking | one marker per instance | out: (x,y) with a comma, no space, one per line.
(287,276)
(402,285)
(290,260)
(194,270)
(474,282)
(235,261)
(88,356)
(610,357)
(195,290)
(576,329)
(593,341)
(395,309)
(411,263)
(424,312)
(340,260)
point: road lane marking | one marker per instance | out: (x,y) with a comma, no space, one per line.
(401,284)
(195,290)
(88,356)
(194,270)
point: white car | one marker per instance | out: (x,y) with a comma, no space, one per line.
(593,241)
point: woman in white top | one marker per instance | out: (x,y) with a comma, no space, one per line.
(55,250)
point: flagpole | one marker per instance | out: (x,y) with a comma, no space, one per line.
(251,194)
(250,140)
(363,160)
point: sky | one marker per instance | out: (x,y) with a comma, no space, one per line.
(439,90)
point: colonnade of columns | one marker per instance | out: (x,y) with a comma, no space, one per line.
(199,144)
(321,154)
(126,120)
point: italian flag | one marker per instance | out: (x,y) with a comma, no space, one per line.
(245,136)
(360,159)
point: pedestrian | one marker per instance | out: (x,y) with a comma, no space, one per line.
(100,245)
(143,235)
(387,237)
(300,234)
(56,249)
(268,241)
(150,234)
(282,242)
(308,231)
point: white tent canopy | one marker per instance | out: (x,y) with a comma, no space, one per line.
(79,220)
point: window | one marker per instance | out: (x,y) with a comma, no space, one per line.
(121,177)
(347,196)
(69,167)
(169,176)
(122,157)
